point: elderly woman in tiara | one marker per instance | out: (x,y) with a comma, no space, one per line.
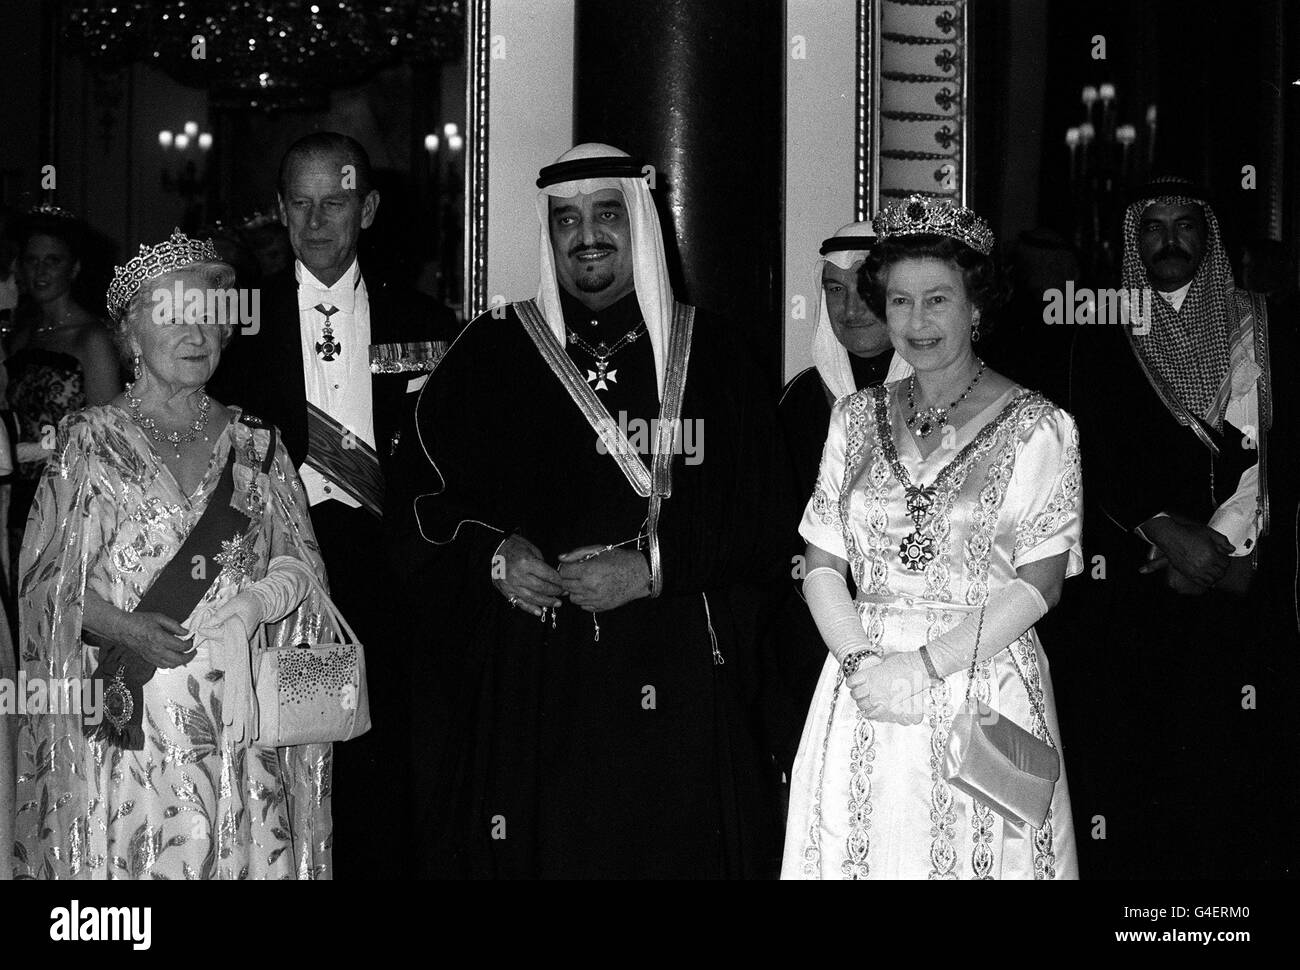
(167,529)
(954,498)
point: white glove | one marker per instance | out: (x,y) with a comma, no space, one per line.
(1009,612)
(233,625)
(838,622)
(827,593)
(286,584)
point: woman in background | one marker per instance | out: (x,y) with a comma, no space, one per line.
(60,357)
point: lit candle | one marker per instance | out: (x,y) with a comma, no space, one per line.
(1089,98)
(1086,135)
(431,143)
(191,128)
(205,140)
(1126,135)
(1107,94)
(455,142)
(450,129)
(181,141)
(1151,137)
(165,138)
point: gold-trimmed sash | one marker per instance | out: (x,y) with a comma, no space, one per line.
(655,483)
(592,407)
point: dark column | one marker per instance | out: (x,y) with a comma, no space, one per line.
(696,89)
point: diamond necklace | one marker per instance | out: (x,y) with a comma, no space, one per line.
(934,417)
(603,353)
(173,438)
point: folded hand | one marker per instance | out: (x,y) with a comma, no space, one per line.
(599,579)
(892,689)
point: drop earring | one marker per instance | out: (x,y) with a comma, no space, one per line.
(975,332)
(136,367)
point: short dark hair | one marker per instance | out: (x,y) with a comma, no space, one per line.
(329,143)
(986,284)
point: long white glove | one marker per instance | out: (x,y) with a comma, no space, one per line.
(832,609)
(275,596)
(232,627)
(1009,612)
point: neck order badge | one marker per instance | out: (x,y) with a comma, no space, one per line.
(327,347)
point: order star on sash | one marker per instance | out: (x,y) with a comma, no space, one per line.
(238,555)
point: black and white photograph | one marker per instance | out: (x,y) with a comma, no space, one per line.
(649,440)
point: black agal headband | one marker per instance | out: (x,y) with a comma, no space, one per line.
(577,169)
(839,244)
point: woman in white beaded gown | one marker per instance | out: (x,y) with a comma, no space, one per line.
(945,493)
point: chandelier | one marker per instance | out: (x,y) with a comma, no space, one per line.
(267,53)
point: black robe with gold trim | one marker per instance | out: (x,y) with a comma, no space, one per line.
(539,752)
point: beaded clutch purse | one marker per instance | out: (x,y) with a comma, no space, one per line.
(313,693)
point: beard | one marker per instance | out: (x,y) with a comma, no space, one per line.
(590,281)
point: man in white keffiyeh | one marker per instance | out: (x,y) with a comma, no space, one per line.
(584,560)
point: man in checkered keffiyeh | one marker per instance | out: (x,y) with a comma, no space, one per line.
(1175,420)
(1172,244)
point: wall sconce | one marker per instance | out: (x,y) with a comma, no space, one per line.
(181,140)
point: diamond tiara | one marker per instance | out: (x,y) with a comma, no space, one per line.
(918,215)
(155,261)
(50,211)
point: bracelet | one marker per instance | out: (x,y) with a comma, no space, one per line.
(852,661)
(929,664)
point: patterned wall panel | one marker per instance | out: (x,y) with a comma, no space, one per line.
(912,68)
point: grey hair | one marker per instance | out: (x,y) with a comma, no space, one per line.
(139,312)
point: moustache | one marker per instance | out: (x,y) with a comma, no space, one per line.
(1172,252)
(598,248)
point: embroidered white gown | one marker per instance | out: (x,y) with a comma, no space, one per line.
(868,798)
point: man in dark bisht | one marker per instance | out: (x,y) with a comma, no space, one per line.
(850,350)
(334,360)
(1175,411)
(584,707)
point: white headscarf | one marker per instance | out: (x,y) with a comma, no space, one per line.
(649,267)
(828,354)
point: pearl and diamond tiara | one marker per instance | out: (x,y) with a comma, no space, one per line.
(918,215)
(155,261)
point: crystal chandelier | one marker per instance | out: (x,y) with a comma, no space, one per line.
(267,53)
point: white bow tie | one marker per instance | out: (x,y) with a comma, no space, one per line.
(342,295)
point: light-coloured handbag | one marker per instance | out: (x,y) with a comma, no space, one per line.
(313,693)
(995,760)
